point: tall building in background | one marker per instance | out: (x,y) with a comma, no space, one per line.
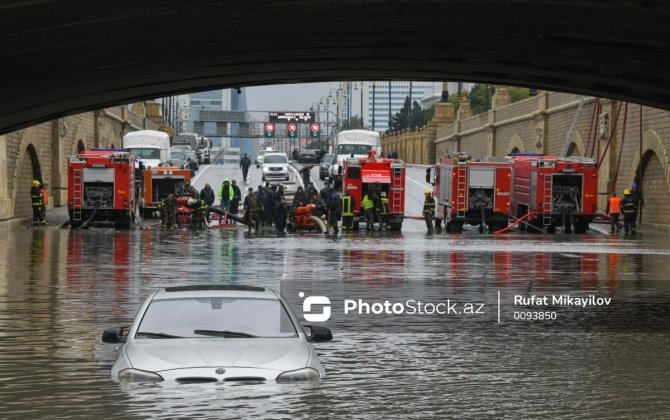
(212,100)
(378,99)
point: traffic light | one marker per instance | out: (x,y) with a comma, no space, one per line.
(269,129)
(315,130)
(292,130)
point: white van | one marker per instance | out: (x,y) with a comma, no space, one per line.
(352,143)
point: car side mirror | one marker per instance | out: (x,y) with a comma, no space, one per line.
(114,335)
(318,334)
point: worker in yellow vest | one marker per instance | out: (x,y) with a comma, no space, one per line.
(369,211)
(614,212)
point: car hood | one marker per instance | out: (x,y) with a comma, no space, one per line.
(279,354)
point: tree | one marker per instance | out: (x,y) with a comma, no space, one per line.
(353,123)
(518,93)
(411,116)
(480,98)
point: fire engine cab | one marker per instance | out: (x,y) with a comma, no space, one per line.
(101,187)
(376,175)
(474,192)
(555,191)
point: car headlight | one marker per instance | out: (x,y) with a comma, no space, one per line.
(135,375)
(304,374)
(266,170)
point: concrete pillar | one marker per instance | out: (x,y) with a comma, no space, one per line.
(608,121)
(541,118)
(491,134)
(58,166)
(501,97)
(6,206)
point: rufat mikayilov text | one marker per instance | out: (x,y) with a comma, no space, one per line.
(412,307)
(561,300)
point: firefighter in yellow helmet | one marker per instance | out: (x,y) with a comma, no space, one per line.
(38,204)
(429,210)
(629,210)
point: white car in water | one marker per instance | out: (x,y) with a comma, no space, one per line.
(214,333)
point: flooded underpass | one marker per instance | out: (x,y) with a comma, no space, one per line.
(604,355)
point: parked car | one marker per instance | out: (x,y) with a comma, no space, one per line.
(324,167)
(275,167)
(308,156)
(216,333)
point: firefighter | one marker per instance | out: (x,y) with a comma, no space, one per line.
(252,209)
(168,209)
(207,195)
(348,204)
(369,212)
(629,209)
(198,211)
(614,212)
(429,210)
(384,211)
(37,202)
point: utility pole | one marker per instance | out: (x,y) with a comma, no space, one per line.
(374,85)
(362,125)
(389,124)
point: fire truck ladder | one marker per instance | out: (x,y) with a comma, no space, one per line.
(462,189)
(396,188)
(546,204)
(76,194)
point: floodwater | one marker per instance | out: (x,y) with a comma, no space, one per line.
(59,289)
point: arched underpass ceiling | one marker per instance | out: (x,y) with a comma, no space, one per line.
(61,57)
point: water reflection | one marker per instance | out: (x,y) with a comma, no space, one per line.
(60,289)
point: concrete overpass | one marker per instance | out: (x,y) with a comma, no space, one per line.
(63,57)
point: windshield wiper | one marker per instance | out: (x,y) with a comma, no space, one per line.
(225,333)
(156,335)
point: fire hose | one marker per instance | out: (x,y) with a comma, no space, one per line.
(516,222)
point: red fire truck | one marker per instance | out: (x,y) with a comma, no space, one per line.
(555,191)
(376,175)
(101,187)
(476,192)
(157,183)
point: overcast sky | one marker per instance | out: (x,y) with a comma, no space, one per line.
(296,97)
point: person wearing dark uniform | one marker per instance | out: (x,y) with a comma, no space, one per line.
(235,201)
(334,210)
(245,163)
(429,210)
(252,209)
(281,214)
(629,210)
(38,203)
(347,206)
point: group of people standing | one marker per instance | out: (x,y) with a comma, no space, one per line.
(266,207)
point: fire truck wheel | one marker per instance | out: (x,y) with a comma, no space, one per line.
(581,227)
(551,229)
(396,227)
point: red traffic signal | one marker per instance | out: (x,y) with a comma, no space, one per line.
(315,129)
(292,129)
(269,129)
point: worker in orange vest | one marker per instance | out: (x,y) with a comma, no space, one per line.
(614,213)
(45,201)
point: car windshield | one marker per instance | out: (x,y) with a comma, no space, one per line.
(357,149)
(177,154)
(275,159)
(327,158)
(145,153)
(216,317)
